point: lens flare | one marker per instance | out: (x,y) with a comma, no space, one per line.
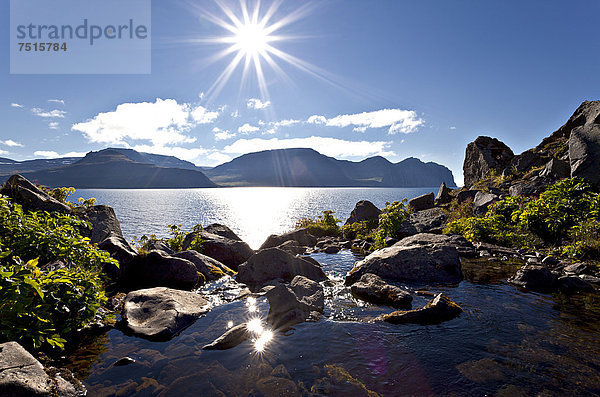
(255,326)
(261,342)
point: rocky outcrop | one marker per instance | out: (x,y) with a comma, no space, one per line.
(423,202)
(556,169)
(31,197)
(275,264)
(432,220)
(371,288)
(439,309)
(535,278)
(444,195)
(104,222)
(482,201)
(483,155)
(301,300)
(119,249)
(411,261)
(301,236)
(22,375)
(584,153)
(211,268)
(222,230)
(463,246)
(229,252)
(156,269)
(364,210)
(161,313)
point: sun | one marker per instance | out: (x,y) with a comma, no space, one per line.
(251,39)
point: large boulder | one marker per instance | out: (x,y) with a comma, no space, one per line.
(556,169)
(119,249)
(423,202)
(222,230)
(301,236)
(161,313)
(432,220)
(443,196)
(22,375)
(156,269)
(420,262)
(465,195)
(371,288)
(527,160)
(584,153)
(535,278)
(104,222)
(482,201)
(31,197)
(228,251)
(211,268)
(364,210)
(483,155)
(439,309)
(463,246)
(275,264)
(301,300)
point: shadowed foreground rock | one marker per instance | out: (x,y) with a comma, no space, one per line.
(211,268)
(104,222)
(423,202)
(22,375)
(301,236)
(483,155)
(293,304)
(373,289)
(161,313)
(438,310)
(230,252)
(31,197)
(275,264)
(432,220)
(231,338)
(364,210)
(535,278)
(156,269)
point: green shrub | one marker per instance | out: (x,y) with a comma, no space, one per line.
(585,241)
(390,219)
(358,229)
(175,242)
(324,225)
(62,193)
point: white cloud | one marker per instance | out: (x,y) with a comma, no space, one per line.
(329,146)
(317,119)
(54,125)
(49,154)
(3,152)
(453,128)
(11,143)
(270,131)
(16,105)
(61,101)
(255,103)
(221,135)
(189,154)
(247,129)
(235,114)
(162,122)
(218,158)
(51,114)
(398,120)
(286,123)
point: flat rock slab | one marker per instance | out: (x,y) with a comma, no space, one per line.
(161,313)
(439,309)
(432,220)
(373,289)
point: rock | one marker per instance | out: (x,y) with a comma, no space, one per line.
(339,382)
(482,201)
(432,220)
(533,187)
(275,264)
(576,268)
(160,245)
(443,196)
(584,153)
(289,305)
(222,230)
(301,236)
(423,202)
(231,338)
(465,195)
(292,247)
(389,241)
(123,361)
(275,386)
(363,211)
(211,268)
(229,252)
(31,197)
(439,309)
(483,155)
(462,245)
(104,223)
(535,278)
(550,261)
(119,249)
(156,269)
(571,284)
(161,313)
(331,249)
(425,262)
(556,169)
(371,288)
(22,375)
(527,160)
(496,250)
(590,279)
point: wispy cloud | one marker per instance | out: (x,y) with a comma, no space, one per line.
(61,101)
(11,143)
(54,125)
(221,135)
(255,103)
(396,120)
(329,146)
(16,105)
(51,154)
(247,129)
(48,113)
(3,152)
(163,122)
(453,128)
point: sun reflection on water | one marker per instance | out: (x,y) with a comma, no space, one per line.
(260,334)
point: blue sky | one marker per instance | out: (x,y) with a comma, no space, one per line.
(393,78)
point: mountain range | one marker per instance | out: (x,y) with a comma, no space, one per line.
(127,168)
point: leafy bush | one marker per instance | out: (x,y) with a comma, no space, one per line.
(358,229)
(175,242)
(324,225)
(62,193)
(389,222)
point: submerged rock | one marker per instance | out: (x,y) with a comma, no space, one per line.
(161,313)
(31,197)
(364,210)
(289,305)
(371,288)
(423,202)
(156,269)
(439,309)
(211,268)
(432,220)
(231,338)
(229,252)
(301,236)
(413,261)
(535,278)
(275,264)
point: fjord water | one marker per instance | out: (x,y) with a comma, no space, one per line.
(507,342)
